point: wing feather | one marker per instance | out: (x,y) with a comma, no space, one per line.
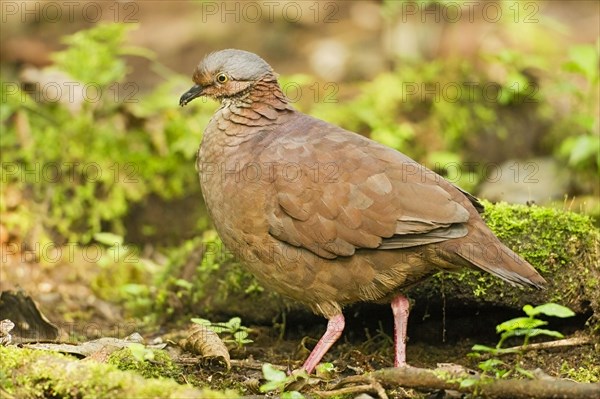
(380,199)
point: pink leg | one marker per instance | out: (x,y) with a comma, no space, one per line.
(335,326)
(400,309)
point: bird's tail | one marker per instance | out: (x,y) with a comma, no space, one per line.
(486,252)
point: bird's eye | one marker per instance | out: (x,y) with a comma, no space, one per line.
(222,78)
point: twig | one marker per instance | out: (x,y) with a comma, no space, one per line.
(253,365)
(412,377)
(369,384)
(245,364)
(346,391)
(561,343)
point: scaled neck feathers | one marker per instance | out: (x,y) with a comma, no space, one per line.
(259,107)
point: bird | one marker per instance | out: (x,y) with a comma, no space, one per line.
(326,216)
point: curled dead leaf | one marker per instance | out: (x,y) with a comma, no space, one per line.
(5,327)
(203,341)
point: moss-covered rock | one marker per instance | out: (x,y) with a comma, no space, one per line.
(28,373)
(561,245)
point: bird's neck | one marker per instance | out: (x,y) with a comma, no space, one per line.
(267,91)
(261,109)
(261,104)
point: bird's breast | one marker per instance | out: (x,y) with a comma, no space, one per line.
(235,191)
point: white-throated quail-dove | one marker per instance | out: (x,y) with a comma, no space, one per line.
(324,215)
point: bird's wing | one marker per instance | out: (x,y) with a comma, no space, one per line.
(336,191)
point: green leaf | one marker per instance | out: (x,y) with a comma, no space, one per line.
(271,386)
(234,323)
(515,84)
(540,331)
(549,309)
(325,370)
(483,348)
(93,55)
(524,372)
(584,147)
(216,327)
(184,284)
(108,239)
(240,334)
(325,367)
(292,395)
(491,365)
(202,322)
(530,332)
(276,379)
(468,382)
(583,59)
(241,337)
(272,374)
(140,352)
(528,309)
(519,323)
(135,290)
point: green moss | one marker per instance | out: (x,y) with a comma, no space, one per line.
(561,245)
(587,372)
(158,365)
(28,373)
(548,238)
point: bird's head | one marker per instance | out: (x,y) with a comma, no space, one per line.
(226,74)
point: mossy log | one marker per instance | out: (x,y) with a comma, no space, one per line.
(30,373)
(411,377)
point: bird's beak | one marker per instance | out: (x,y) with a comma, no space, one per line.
(195,91)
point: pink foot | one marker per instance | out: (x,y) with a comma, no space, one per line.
(335,326)
(400,307)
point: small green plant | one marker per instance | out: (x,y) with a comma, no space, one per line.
(234,331)
(325,370)
(526,327)
(277,381)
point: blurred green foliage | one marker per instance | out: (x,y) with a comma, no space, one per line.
(85,161)
(580,128)
(431,110)
(83,164)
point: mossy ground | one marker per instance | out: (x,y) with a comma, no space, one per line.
(28,373)
(158,365)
